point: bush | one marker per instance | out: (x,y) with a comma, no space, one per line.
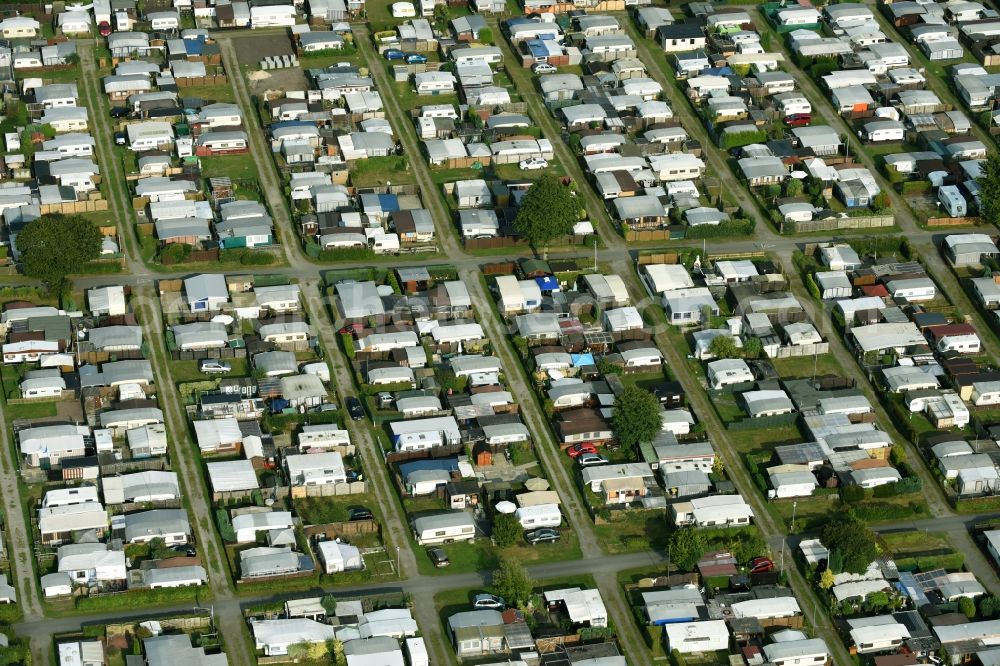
(247,257)
(733,227)
(175,253)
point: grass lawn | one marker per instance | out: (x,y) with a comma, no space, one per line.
(187,371)
(377,171)
(465,557)
(638,531)
(807,366)
(217,93)
(320,510)
(31,410)
(409,99)
(237,167)
(750,440)
(911,540)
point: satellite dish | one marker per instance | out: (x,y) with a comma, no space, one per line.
(555,374)
(505,507)
(223,319)
(269,502)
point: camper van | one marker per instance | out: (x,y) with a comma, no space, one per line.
(444,528)
(952,201)
(539,515)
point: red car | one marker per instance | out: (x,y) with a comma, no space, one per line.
(798,120)
(104,28)
(579,449)
(761,565)
(352,329)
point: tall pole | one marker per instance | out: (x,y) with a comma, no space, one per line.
(795,504)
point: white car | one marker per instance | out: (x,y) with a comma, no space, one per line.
(533,163)
(543,68)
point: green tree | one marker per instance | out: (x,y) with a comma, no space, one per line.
(826,579)
(794,187)
(853,542)
(512,582)
(876,601)
(882,202)
(753,347)
(989,183)
(506,529)
(989,606)
(54,246)
(549,210)
(636,417)
(687,545)
(967,606)
(723,346)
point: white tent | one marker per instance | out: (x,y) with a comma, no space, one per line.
(337,556)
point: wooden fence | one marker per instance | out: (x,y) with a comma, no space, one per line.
(512,241)
(647,235)
(209,80)
(343,529)
(70,208)
(329,490)
(868,222)
(221,353)
(954,221)
(793,351)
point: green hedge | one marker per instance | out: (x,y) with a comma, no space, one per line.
(140,598)
(733,227)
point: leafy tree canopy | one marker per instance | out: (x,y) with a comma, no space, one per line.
(636,417)
(549,210)
(54,246)
(512,582)
(853,542)
(506,530)
(989,182)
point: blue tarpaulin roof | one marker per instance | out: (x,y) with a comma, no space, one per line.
(582,359)
(389,203)
(547,283)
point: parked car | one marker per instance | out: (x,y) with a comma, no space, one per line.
(542,535)
(798,119)
(120,139)
(438,557)
(394,54)
(488,601)
(360,513)
(543,68)
(104,28)
(583,447)
(119,112)
(532,163)
(354,408)
(591,460)
(352,329)
(184,549)
(761,565)
(212,367)
(415,59)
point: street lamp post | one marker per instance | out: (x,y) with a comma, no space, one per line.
(211,613)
